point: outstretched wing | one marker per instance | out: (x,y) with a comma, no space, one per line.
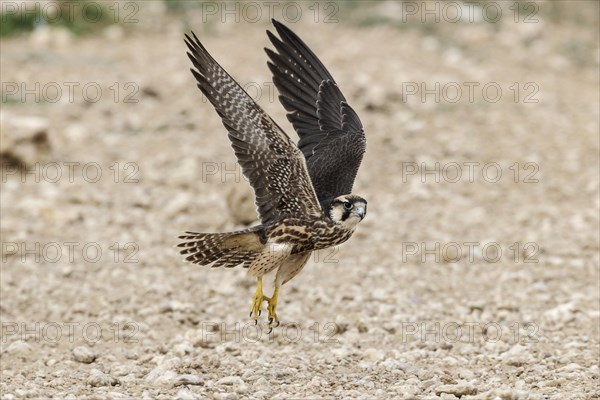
(272,163)
(331,134)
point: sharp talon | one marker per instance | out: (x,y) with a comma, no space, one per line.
(257,302)
(256,310)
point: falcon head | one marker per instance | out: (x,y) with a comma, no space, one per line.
(348,210)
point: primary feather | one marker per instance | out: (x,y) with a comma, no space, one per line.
(331,134)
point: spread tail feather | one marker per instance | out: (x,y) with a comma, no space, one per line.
(223,249)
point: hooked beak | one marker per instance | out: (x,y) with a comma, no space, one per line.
(360,212)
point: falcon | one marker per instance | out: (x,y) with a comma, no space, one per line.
(303,192)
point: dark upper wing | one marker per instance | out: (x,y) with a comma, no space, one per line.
(331,135)
(273,164)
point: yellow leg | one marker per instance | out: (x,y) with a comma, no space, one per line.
(257,301)
(271,307)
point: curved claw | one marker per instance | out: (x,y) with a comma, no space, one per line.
(271,308)
(256,308)
(271,320)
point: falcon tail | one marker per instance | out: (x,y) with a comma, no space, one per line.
(223,249)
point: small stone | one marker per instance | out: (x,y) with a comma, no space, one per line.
(315,383)
(262,384)
(450,361)
(407,391)
(167,378)
(556,382)
(188,379)
(226,396)
(146,395)
(26,394)
(174,305)
(19,347)
(457,390)
(572,367)
(99,378)
(186,394)
(182,349)
(362,327)
(391,363)
(230,380)
(507,394)
(365,365)
(373,355)
(120,370)
(131,355)
(84,354)
(24,140)
(163,373)
(561,314)
(231,348)
(408,368)
(341,352)
(118,396)
(466,374)
(241,389)
(517,356)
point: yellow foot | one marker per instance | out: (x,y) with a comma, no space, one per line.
(257,301)
(271,308)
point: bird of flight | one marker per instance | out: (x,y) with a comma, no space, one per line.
(303,192)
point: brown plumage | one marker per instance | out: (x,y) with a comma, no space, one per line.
(295,219)
(223,249)
(332,138)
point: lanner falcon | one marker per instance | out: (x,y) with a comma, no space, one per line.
(302,192)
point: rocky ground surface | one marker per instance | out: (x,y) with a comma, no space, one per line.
(471,286)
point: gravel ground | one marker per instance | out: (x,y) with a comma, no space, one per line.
(460,282)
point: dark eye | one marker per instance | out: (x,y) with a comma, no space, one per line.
(347,205)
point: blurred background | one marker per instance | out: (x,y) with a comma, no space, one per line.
(474,274)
